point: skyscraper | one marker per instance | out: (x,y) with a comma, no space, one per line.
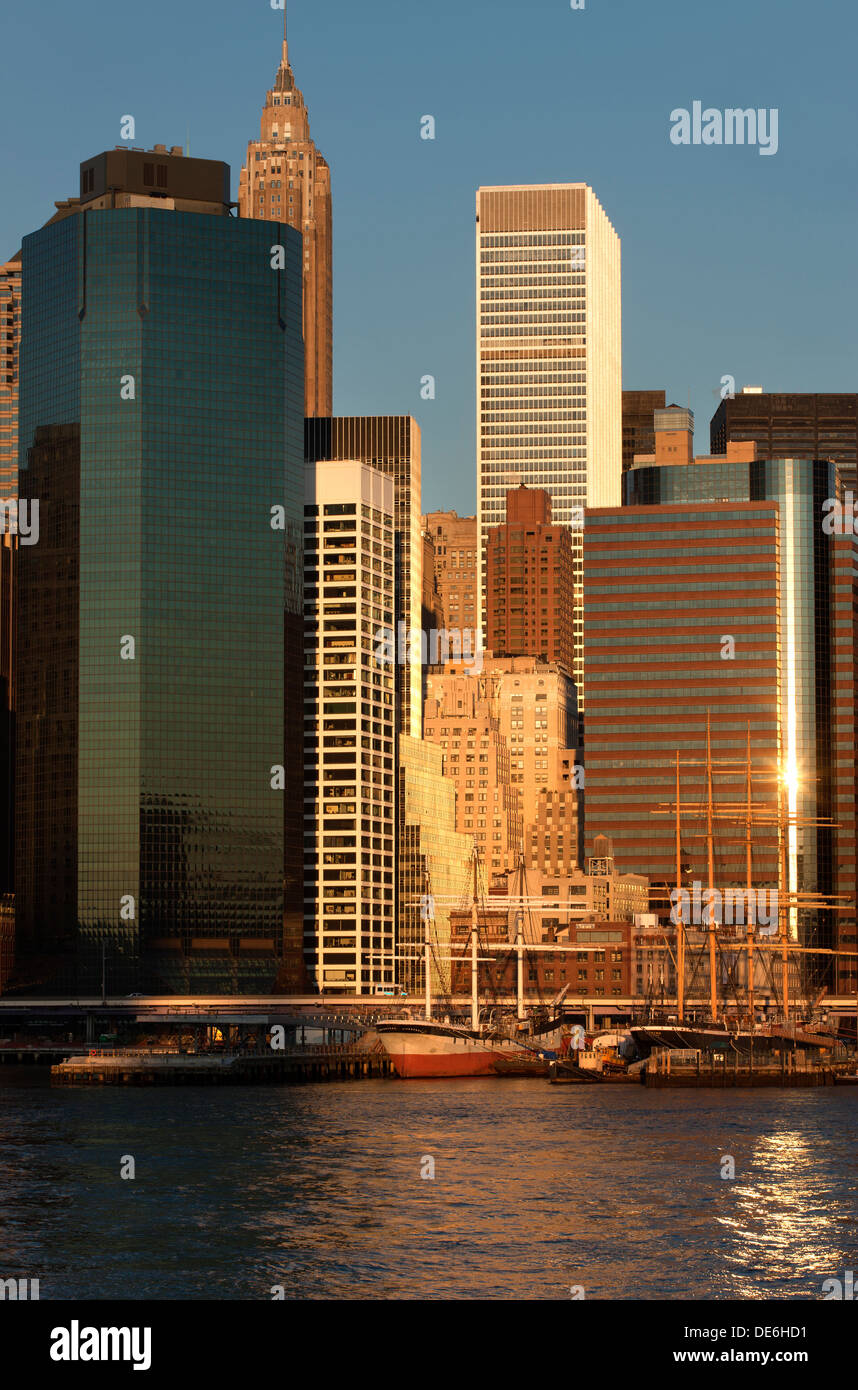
(463,719)
(455,542)
(718,588)
(390,443)
(529,585)
(538,715)
(548,358)
(10,344)
(286,179)
(656,611)
(792,424)
(350,728)
(158,781)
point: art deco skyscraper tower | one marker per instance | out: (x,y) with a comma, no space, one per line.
(285,179)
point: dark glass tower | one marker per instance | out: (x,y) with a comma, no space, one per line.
(160,614)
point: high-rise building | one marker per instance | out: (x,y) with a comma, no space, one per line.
(657,615)
(455,541)
(717,591)
(462,717)
(517,754)
(10,344)
(548,358)
(7,710)
(538,716)
(390,443)
(431,603)
(639,408)
(794,424)
(159,695)
(433,865)
(286,179)
(529,583)
(350,729)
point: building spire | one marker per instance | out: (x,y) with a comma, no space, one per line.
(285,33)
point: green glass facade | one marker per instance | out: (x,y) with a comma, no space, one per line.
(160,623)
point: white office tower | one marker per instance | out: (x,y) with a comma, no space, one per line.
(350,728)
(549,359)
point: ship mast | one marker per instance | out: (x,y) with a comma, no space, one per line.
(475,1007)
(748,869)
(680,925)
(427,952)
(710,854)
(519,941)
(783,910)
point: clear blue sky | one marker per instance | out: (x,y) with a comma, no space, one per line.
(732,262)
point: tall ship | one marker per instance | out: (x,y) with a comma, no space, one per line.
(494,1043)
(738,968)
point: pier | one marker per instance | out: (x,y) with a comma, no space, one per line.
(144,1067)
(666,1069)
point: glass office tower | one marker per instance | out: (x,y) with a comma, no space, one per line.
(815,683)
(160,615)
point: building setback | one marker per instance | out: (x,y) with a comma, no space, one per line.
(529,582)
(548,358)
(158,686)
(530,705)
(797,424)
(538,717)
(350,728)
(462,717)
(286,179)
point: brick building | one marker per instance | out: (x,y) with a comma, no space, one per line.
(529,582)
(454,541)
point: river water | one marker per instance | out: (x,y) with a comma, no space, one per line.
(537,1190)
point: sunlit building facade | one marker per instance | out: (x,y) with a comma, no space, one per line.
(390,443)
(349,729)
(549,391)
(285,179)
(716,590)
(434,869)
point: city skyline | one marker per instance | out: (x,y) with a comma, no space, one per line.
(755,331)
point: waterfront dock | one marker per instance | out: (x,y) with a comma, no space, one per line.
(145,1067)
(665,1069)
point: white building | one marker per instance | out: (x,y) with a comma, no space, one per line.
(549,359)
(350,728)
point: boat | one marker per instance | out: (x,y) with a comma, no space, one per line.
(427,1048)
(497,1045)
(736,1028)
(759,1041)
